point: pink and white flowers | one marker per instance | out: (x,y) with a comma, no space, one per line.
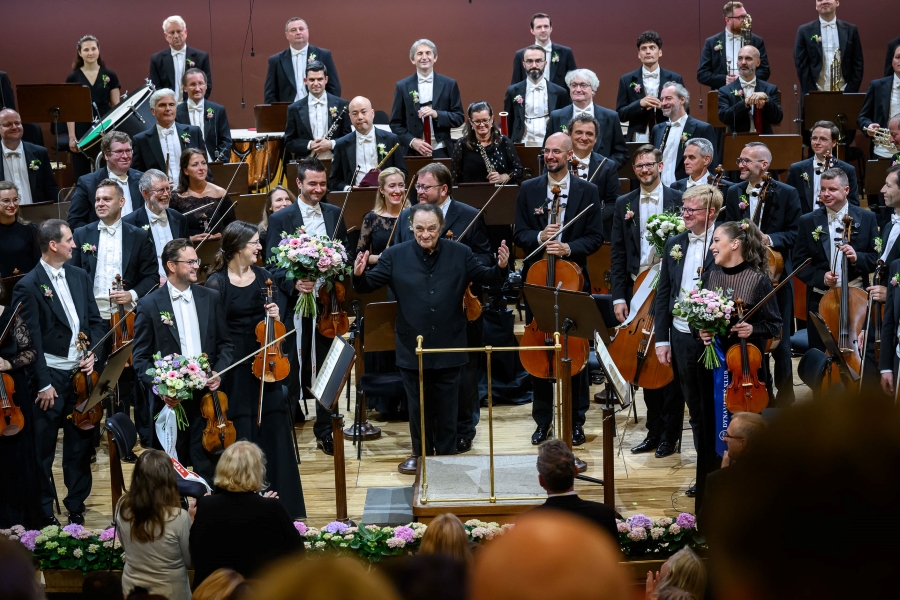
(639,535)
(177,376)
(710,310)
(518,99)
(315,257)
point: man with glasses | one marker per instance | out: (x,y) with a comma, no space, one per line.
(363,149)
(167,67)
(116,148)
(163,223)
(777,218)
(168,321)
(531,101)
(583,238)
(631,254)
(27,165)
(748,104)
(718,60)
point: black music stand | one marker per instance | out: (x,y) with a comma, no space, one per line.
(569,313)
(106,384)
(835,356)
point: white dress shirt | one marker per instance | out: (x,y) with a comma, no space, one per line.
(179,57)
(702,180)
(670,154)
(650,204)
(15,169)
(536,112)
(426,94)
(892,238)
(894,109)
(749,87)
(830,44)
(548,56)
(318,121)
(564,188)
(161,232)
(732,48)
(62,294)
(126,191)
(171,150)
(197,116)
(584,165)
(186,322)
(366,154)
(109,264)
(298,57)
(753,201)
(834,223)
(313,220)
(694,256)
(651,81)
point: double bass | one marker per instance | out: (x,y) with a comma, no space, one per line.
(746,391)
(13,419)
(84,387)
(270,364)
(550,272)
(219,432)
(776,260)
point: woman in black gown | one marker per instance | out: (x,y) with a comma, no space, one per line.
(481,135)
(20,489)
(242,290)
(194,192)
(18,237)
(90,70)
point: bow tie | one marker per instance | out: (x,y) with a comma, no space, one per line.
(824,25)
(185,295)
(197,108)
(428,79)
(312,211)
(167,132)
(648,198)
(61,274)
(835,217)
(560,184)
(691,183)
(364,139)
(695,238)
(11,154)
(649,75)
(539,87)
(318,102)
(110,229)
(162,218)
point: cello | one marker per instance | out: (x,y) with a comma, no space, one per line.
(550,272)
(334,320)
(219,432)
(84,387)
(13,419)
(746,391)
(270,364)
(776,260)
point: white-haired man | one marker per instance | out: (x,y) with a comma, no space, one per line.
(167,66)
(160,146)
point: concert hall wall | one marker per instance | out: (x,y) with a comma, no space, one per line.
(370,40)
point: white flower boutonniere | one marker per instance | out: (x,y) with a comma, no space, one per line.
(816,38)
(146,227)
(744,205)
(382,152)
(737,93)
(676,253)
(105,80)
(629,215)
(186,138)
(518,99)
(817,233)
(718,47)
(878,245)
(88,248)
(805,177)
(48,293)
(166,319)
(555,58)
(311,58)
(415,96)
(333,111)
(34,165)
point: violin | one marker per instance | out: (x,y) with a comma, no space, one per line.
(120,321)
(550,272)
(219,432)
(827,163)
(13,419)
(844,310)
(716,180)
(746,391)
(471,304)
(333,320)
(776,260)
(84,387)
(270,364)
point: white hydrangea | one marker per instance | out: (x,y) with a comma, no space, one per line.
(657,532)
(77,553)
(674,529)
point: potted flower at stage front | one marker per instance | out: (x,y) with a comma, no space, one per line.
(315,257)
(178,377)
(709,310)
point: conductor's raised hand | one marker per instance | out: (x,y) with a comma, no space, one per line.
(359,266)
(502,255)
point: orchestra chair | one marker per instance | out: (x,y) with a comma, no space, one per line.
(121,436)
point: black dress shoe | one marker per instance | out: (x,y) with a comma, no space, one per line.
(577,435)
(463,445)
(408,466)
(648,445)
(665,449)
(52,520)
(691,491)
(326,444)
(76,518)
(131,457)
(540,434)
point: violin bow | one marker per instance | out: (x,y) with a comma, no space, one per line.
(469,226)
(597,170)
(254,353)
(112,330)
(774,291)
(219,203)
(705,236)
(347,197)
(558,233)
(193,210)
(402,207)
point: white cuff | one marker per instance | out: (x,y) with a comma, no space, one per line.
(539,238)
(134,296)
(44,389)
(619,301)
(662,344)
(332,144)
(309,145)
(882,372)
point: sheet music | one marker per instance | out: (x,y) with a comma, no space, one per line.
(612,371)
(324,374)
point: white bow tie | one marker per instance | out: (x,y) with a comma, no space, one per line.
(691,183)
(429,79)
(12,154)
(110,229)
(197,108)
(61,274)
(185,295)
(364,139)
(319,102)
(649,75)
(824,25)
(313,211)
(695,238)
(561,184)
(834,217)
(648,198)
(167,132)
(162,219)
(539,87)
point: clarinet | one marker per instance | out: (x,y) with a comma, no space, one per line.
(333,128)
(487,161)
(665,137)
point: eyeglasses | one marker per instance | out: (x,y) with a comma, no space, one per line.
(482,122)
(161,191)
(642,166)
(254,243)
(538,61)
(425,188)
(728,436)
(746,161)
(8,201)
(689,211)
(122,152)
(193,263)
(579,86)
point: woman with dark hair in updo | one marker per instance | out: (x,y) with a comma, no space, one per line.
(482,138)
(212,213)
(242,287)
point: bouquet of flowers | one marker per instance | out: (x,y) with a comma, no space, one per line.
(661,227)
(177,377)
(710,310)
(305,256)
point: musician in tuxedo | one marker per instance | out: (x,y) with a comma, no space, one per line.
(160,146)
(312,117)
(428,277)
(168,321)
(319,219)
(675,99)
(116,148)
(287,68)
(631,254)
(684,256)
(426,94)
(593,167)
(162,223)
(583,238)
(167,67)
(815,48)
(25,164)
(638,99)
(749,104)
(57,305)
(882,102)
(887,293)
(433,185)
(777,219)
(531,101)
(7,97)
(719,58)
(818,232)
(363,149)
(698,154)
(583,85)
(558,59)
(888,58)
(805,175)
(207,116)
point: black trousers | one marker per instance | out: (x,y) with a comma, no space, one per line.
(696,384)
(469,406)
(77,444)
(441,399)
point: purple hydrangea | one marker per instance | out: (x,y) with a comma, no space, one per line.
(300,526)
(108,534)
(74,529)
(685,521)
(28,538)
(405,533)
(640,520)
(335,527)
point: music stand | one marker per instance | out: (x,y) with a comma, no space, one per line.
(835,356)
(55,102)
(414,163)
(7,284)
(222,173)
(271,118)
(106,384)
(876,171)
(530,157)
(502,209)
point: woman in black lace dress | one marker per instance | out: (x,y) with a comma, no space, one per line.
(194,192)
(242,287)
(468,164)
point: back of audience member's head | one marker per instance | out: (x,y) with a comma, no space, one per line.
(220,585)
(101,585)
(813,506)
(447,535)
(686,573)
(427,577)
(294,578)
(18,579)
(549,554)
(556,467)
(241,468)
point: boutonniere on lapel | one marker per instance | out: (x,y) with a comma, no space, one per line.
(48,293)
(333,111)
(210,114)
(88,248)
(105,80)
(186,138)
(816,38)
(311,58)
(518,99)
(878,245)
(718,47)
(744,205)
(146,227)
(739,92)
(684,138)
(382,152)
(191,64)
(805,177)
(34,165)
(636,87)
(676,253)
(817,233)
(895,160)
(564,129)
(555,58)
(895,280)
(629,214)
(166,319)
(415,96)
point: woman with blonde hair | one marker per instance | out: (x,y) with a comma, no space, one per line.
(240,528)
(378,224)
(220,585)
(446,535)
(683,571)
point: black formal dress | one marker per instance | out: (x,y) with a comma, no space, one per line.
(610,141)
(162,69)
(18,461)
(561,59)
(468,164)
(628,101)
(735,113)
(281,81)
(81,203)
(216,130)
(809,55)
(713,67)
(445,100)
(216,217)
(20,248)
(106,81)
(596,512)
(243,308)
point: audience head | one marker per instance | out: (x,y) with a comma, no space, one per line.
(222,584)
(649,45)
(242,467)
(827,474)
(426,576)
(890,192)
(18,579)
(101,585)
(153,498)
(748,61)
(9,203)
(700,206)
(834,187)
(278,197)
(423,54)
(426,221)
(743,432)
(179,259)
(117,150)
(162,106)
(108,201)
(556,467)
(55,241)
(541,27)
(240,239)
(535,560)
(734,15)
(192,168)
(316,78)
(557,154)
(582,84)
(10,128)
(433,183)
(675,100)
(480,125)
(698,155)
(447,535)
(754,161)
(683,572)
(194,83)
(391,190)
(87,51)
(297,33)
(647,165)
(583,131)
(175,30)
(156,190)
(534,59)
(361,114)
(312,181)
(295,578)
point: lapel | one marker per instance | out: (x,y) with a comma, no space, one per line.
(32,173)
(296,216)
(636,220)
(180,130)
(173,217)
(55,302)
(350,162)
(817,31)
(820,219)
(127,245)
(809,171)
(842,37)
(201,304)
(638,79)
(209,125)
(452,216)
(573,203)
(718,56)
(895,249)
(330,218)
(155,147)
(437,87)
(551,99)
(303,109)
(168,64)
(77,297)
(552,70)
(288,66)
(518,107)
(92,234)
(134,185)
(164,304)
(742,191)
(678,268)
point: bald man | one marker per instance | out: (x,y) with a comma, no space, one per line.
(578,242)
(362,149)
(26,165)
(748,104)
(535,560)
